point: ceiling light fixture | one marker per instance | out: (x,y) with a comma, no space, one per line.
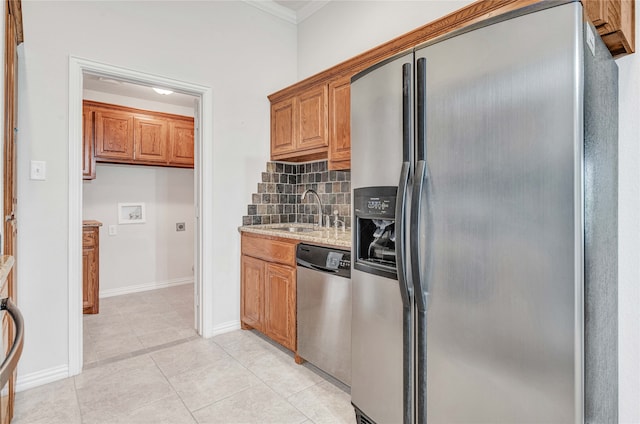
(162,91)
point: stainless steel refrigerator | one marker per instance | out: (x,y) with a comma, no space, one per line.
(484,175)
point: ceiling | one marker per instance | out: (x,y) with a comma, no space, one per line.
(294,11)
(123,88)
(294,5)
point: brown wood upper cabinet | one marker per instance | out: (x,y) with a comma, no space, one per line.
(299,126)
(181,142)
(615,21)
(118,134)
(340,124)
(297,121)
(88,159)
(150,139)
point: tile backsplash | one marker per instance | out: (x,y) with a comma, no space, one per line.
(279,196)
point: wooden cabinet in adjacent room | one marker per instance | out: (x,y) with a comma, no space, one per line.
(150,137)
(268,287)
(88,159)
(181,142)
(90,266)
(113,137)
(117,134)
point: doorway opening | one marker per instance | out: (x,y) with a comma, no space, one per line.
(138,218)
(79,71)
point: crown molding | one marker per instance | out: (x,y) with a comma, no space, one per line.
(310,8)
(285,13)
(275,9)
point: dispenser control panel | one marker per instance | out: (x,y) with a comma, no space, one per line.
(379,202)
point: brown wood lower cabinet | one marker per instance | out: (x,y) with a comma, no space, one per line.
(90,267)
(268,287)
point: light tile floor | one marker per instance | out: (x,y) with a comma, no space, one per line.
(144,364)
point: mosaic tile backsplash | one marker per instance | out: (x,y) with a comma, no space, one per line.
(279,196)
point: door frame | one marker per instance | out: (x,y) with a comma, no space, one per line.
(203,175)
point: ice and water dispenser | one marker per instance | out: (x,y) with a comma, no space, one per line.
(374,232)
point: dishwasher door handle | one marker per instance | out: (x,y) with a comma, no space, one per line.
(316,267)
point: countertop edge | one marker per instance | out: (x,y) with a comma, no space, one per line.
(91,223)
(325,237)
(6,264)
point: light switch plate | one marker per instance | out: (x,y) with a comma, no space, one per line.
(38,170)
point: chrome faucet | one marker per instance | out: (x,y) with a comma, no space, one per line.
(311,191)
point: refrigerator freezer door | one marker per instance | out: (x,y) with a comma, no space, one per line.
(376,125)
(377,381)
(504,149)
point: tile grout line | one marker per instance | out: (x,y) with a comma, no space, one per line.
(137,353)
(286,399)
(174,389)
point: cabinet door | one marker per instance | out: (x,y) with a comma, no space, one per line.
(150,139)
(90,285)
(113,135)
(340,124)
(280,304)
(312,119)
(615,22)
(251,292)
(181,143)
(88,162)
(283,127)
(7,339)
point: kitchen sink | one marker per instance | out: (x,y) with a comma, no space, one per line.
(294,229)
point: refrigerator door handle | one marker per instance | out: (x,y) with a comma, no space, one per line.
(421,190)
(406,286)
(420,209)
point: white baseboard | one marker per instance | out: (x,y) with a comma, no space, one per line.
(225,327)
(144,287)
(35,379)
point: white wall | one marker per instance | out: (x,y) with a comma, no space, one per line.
(359,26)
(151,254)
(629,235)
(241,52)
(2,10)
(343,29)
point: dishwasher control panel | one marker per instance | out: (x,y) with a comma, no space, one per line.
(324,259)
(337,260)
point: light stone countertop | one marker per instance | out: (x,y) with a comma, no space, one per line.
(6,263)
(91,223)
(322,236)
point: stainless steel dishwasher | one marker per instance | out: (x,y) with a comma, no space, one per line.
(324,309)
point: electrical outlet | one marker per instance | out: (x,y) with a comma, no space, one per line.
(180,226)
(113,230)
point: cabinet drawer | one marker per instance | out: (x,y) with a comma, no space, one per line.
(269,249)
(89,238)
